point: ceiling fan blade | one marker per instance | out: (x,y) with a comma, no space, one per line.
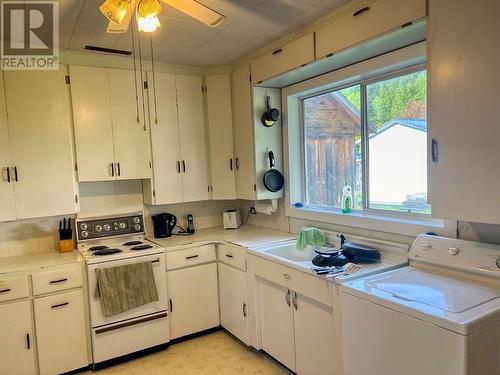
(198,11)
(117,28)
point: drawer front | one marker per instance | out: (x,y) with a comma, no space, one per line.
(57,279)
(233,256)
(13,288)
(281,60)
(268,270)
(190,257)
(311,286)
(365,20)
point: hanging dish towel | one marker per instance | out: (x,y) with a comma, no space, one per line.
(125,287)
(310,236)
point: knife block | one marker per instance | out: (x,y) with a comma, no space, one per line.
(66,246)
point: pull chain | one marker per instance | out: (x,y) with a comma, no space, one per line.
(142,80)
(135,74)
(154,80)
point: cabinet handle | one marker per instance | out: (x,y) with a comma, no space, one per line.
(171,305)
(15,175)
(156,261)
(231,163)
(434,150)
(58,281)
(192,256)
(245,310)
(287,297)
(112,166)
(237,163)
(183,166)
(178,166)
(56,306)
(5,290)
(277,51)
(119,169)
(361,11)
(8,174)
(294,300)
(28,341)
(229,256)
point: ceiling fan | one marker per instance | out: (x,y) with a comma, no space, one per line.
(120,12)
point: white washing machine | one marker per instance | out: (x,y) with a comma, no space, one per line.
(438,316)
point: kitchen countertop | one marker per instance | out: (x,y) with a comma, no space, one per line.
(37,261)
(246,236)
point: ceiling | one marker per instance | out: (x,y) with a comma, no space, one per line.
(249,25)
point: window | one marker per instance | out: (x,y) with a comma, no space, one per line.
(371,139)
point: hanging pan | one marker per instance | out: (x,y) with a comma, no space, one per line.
(271,115)
(273,179)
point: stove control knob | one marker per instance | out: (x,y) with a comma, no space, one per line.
(137,220)
(84,234)
(98,228)
(122,225)
(498,262)
(107,227)
(115,226)
(454,250)
(83,226)
(137,227)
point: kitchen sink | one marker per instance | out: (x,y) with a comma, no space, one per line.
(290,252)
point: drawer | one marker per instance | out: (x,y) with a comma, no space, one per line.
(365,20)
(13,288)
(233,256)
(190,257)
(53,280)
(290,56)
(268,270)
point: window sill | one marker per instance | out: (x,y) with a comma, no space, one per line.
(375,221)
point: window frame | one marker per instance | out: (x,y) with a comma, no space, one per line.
(393,64)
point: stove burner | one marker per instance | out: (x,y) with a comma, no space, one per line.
(97,248)
(141,247)
(132,243)
(107,251)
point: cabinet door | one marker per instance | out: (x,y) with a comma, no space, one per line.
(192,136)
(276,322)
(7,202)
(220,129)
(193,298)
(92,118)
(41,135)
(165,140)
(130,134)
(463,115)
(243,133)
(61,332)
(233,301)
(365,20)
(16,340)
(314,336)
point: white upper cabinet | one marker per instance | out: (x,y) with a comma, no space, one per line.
(110,127)
(40,133)
(220,130)
(177,139)
(243,133)
(364,20)
(7,202)
(192,137)
(463,52)
(288,57)
(131,146)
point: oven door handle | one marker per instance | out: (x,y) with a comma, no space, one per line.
(129,324)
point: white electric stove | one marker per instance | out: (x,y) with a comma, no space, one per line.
(112,242)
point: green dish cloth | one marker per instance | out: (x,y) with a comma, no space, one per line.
(310,236)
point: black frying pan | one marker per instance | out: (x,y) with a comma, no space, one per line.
(273,179)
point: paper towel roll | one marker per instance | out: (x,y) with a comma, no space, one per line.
(267,207)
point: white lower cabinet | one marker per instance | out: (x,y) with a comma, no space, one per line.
(16,349)
(233,301)
(193,299)
(61,332)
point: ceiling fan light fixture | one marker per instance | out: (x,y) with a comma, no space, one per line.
(149,8)
(147,25)
(115,10)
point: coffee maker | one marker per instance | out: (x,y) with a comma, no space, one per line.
(164,224)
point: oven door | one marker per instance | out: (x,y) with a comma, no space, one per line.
(96,314)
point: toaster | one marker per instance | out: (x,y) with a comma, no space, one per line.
(231,219)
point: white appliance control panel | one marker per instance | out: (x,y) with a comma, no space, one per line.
(88,229)
(470,256)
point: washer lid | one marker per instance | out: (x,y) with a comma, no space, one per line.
(446,293)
